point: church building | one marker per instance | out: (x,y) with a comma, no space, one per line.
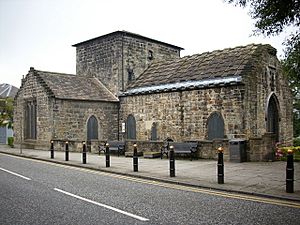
(133,88)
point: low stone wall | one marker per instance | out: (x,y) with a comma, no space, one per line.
(144,146)
(209,149)
(262,148)
(206,149)
(60,145)
(257,149)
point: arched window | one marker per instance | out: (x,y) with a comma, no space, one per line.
(273,116)
(215,126)
(30,120)
(131,127)
(92,128)
(154,132)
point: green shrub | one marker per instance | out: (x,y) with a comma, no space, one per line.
(10,141)
(297,141)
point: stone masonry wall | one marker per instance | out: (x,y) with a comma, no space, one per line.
(183,115)
(101,58)
(111,58)
(71,117)
(32,90)
(264,80)
(140,53)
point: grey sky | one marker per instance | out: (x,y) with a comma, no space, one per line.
(40,33)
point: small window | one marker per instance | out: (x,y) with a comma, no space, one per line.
(154,132)
(130,75)
(150,55)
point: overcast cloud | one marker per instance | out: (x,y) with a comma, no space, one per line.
(40,33)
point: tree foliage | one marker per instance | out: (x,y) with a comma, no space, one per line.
(291,65)
(272,16)
(6,112)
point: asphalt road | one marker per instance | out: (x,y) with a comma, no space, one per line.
(34,192)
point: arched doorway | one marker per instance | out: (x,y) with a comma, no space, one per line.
(92,128)
(273,116)
(215,126)
(131,127)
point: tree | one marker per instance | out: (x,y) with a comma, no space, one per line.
(6,112)
(272,17)
(291,67)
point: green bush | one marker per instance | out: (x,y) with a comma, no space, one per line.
(297,141)
(10,141)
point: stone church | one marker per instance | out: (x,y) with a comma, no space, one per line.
(134,88)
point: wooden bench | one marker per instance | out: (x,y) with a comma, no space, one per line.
(114,146)
(190,148)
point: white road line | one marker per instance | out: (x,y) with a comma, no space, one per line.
(16,174)
(103,205)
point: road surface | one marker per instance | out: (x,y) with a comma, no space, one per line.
(36,192)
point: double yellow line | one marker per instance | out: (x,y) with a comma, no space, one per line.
(273,201)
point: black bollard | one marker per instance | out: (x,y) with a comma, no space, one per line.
(290,172)
(220,166)
(172,161)
(135,159)
(67,151)
(83,152)
(107,155)
(52,150)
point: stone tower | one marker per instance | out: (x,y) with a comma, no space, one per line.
(120,57)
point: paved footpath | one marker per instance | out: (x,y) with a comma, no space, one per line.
(258,178)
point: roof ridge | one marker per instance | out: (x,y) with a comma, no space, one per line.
(124,33)
(226,49)
(56,73)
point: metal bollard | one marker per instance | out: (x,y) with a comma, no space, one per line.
(135,159)
(83,152)
(52,150)
(220,166)
(290,172)
(67,151)
(107,155)
(172,161)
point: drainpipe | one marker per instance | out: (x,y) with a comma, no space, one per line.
(123,87)
(119,106)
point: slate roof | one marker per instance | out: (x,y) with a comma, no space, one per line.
(7,90)
(68,86)
(208,68)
